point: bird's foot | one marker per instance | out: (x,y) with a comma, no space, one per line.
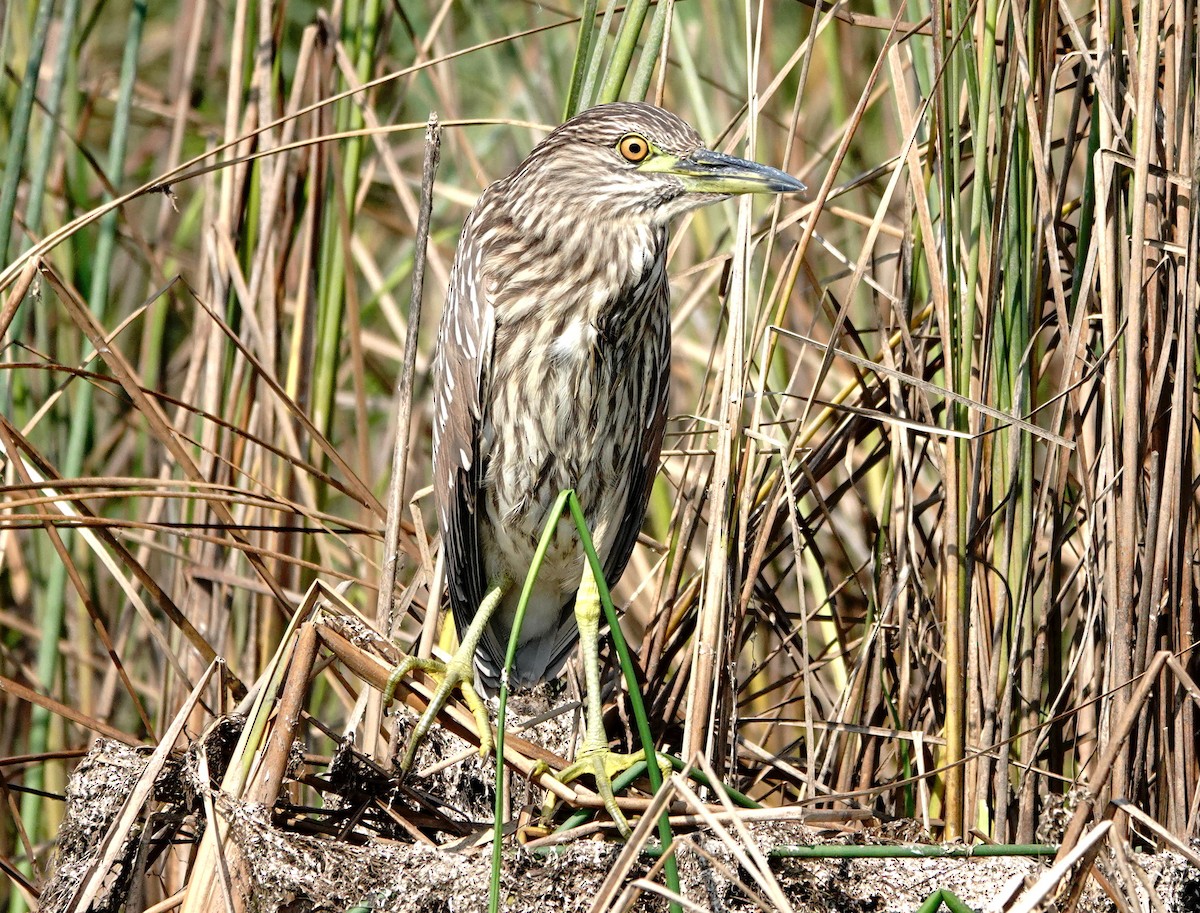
(604,765)
(457,673)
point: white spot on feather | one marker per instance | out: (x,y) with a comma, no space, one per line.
(575,342)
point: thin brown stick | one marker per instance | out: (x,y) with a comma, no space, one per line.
(385,612)
(269,776)
(385,606)
(1112,751)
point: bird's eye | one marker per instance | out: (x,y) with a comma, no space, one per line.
(633,148)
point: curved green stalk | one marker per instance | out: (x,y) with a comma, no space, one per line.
(510,656)
(569,499)
(635,695)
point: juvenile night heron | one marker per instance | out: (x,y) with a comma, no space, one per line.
(551,373)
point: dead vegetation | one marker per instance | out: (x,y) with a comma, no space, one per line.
(921,563)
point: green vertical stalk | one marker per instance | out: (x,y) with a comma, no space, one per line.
(980,213)
(1021,363)
(19,132)
(958,338)
(645,70)
(592,74)
(19,127)
(53,605)
(583,56)
(1009,383)
(16,389)
(1033,282)
(40,165)
(627,37)
(331,295)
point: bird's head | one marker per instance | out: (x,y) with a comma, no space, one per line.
(633,163)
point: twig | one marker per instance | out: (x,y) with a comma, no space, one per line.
(386,601)
(387,575)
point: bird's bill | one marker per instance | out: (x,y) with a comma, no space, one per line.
(705,171)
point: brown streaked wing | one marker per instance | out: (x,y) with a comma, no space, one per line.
(461,368)
(643,472)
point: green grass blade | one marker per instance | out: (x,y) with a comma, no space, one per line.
(587,95)
(51,621)
(645,69)
(583,56)
(627,37)
(19,127)
(510,656)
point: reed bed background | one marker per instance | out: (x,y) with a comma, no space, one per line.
(929,495)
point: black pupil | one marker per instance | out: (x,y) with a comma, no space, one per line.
(635,148)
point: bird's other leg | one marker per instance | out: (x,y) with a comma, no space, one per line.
(595,757)
(459,673)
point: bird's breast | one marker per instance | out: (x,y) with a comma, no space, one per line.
(569,399)
(576,344)
(581,339)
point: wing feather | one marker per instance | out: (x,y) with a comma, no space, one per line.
(461,369)
(642,474)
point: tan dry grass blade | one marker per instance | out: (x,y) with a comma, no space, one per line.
(710,649)
(153,414)
(1050,882)
(112,555)
(1113,750)
(217,875)
(114,841)
(611,895)
(1001,418)
(1127,899)
(1167,837)
(385,607)
(267,780)
(744,848)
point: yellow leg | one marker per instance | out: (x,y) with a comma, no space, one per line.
(459,673)
(595,757)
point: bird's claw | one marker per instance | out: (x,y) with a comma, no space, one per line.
(604,764)
(451,675)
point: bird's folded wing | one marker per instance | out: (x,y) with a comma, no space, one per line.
(461,374)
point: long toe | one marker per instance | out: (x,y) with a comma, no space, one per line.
(604,765)
(449,677)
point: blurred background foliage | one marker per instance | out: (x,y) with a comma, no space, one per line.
(930,474)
